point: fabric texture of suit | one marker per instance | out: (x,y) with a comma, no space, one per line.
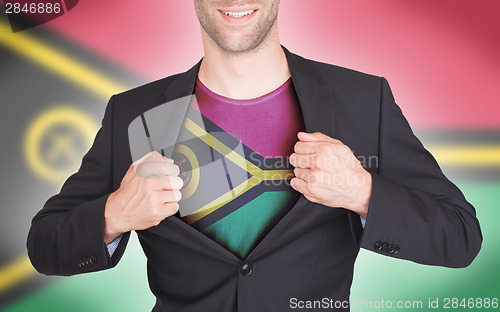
(310,254)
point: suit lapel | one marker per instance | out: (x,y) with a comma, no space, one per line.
(318,110)
(179,94)
(182,84)
(315,98)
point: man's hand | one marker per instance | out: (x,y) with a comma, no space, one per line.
(327,172)
(148,193)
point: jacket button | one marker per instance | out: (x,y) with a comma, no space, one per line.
(378,245)
(246,269)
(396,249)
(384,246)
(390,249)
(93,260)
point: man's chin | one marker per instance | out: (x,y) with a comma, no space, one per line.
(240,45)
(239,50)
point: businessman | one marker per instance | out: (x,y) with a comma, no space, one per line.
(251,245)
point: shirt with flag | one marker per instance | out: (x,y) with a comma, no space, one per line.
(234,163)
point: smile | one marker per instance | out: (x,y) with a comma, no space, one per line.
(239,14)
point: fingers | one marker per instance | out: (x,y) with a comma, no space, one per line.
(301,173)
(161,168)
(171,208)
(171,196)
(303,147)
(316,137)
(313,177)
(301,186)
(170,183)
(165,183)
(303,161)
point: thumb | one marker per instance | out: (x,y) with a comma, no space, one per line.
(316,137)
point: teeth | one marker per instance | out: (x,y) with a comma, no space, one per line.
(239,14)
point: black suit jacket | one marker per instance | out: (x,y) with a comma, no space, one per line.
(415,212)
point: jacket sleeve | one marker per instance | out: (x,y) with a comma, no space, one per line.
(415,212)
(67,236)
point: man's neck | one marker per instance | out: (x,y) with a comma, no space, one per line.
(244,76)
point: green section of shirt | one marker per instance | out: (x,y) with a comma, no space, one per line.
(240,230)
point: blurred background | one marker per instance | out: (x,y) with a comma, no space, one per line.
(441,59)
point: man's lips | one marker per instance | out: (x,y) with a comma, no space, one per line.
(237,16)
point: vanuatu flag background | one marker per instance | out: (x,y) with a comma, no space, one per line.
(440,57)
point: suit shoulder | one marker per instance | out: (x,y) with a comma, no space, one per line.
(154,89)
(128,105)
(131,103)
(338,74)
